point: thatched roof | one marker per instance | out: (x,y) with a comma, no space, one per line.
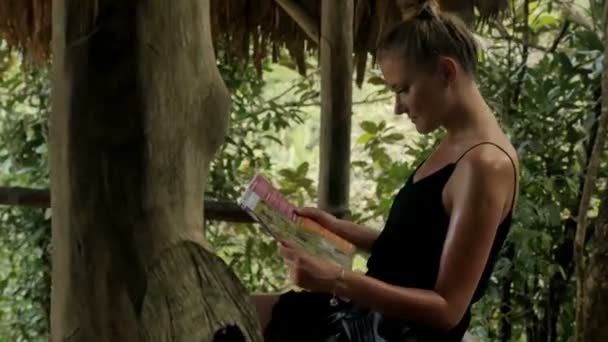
(26,25)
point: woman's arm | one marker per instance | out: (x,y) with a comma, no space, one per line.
(482,187)
(360,236)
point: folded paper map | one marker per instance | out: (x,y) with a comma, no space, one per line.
(277,216)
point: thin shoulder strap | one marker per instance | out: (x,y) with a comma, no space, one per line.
(508,156)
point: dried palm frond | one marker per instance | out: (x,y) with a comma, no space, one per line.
(26,25)
(465,9)
(491,9)
(247,30)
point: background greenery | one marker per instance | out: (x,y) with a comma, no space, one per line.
(540,71)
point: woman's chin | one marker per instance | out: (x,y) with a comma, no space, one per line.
(423,129)
(422,126)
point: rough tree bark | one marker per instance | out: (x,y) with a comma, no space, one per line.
(506,302)
(139,109)
(595,306)
(592,271)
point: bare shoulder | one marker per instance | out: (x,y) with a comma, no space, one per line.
(490,161)
(485,173)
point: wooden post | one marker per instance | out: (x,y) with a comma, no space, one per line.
(336,104)
(139,110)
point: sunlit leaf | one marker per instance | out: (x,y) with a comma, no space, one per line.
(369,127)
(376,80)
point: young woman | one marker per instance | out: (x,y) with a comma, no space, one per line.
(447,223)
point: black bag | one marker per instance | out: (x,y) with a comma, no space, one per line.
(353,324)
(308,317)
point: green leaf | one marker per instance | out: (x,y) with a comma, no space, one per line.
(273,138)
(266,125)
(590,40)
(365,138)
(393,137)
(376,80)
(359,163)
(382,125)
(288,174)
(303,169)
(369,127)
(544,20)
(554,215)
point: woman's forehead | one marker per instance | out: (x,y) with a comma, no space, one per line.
(396,71)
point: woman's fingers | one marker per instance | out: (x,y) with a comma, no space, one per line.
(286,243)
(291,257)
(310,212)
(288,252)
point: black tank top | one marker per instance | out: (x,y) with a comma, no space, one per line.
(408,250)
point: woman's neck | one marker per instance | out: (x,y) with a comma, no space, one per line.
(471,117)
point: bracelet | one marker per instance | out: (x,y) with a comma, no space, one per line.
(334,300)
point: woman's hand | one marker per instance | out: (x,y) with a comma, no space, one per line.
(322,217)
(359,235)
(307,271)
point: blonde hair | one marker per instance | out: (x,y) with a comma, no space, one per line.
(426,33)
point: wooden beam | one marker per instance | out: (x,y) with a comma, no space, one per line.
(336,104)
(215,210)
(24,197)
(306,22)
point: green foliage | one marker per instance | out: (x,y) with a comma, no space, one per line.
(256,126)
(256,123)
(549,107)
(24,275)
(25,236)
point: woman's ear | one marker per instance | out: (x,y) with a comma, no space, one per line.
(448,68)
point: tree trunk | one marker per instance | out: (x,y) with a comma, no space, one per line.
(595,306)
(139,110)
(592,275)
(506,302)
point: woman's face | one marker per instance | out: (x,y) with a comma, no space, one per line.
(422,95)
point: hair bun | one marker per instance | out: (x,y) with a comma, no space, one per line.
(425,13)
(418,9)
